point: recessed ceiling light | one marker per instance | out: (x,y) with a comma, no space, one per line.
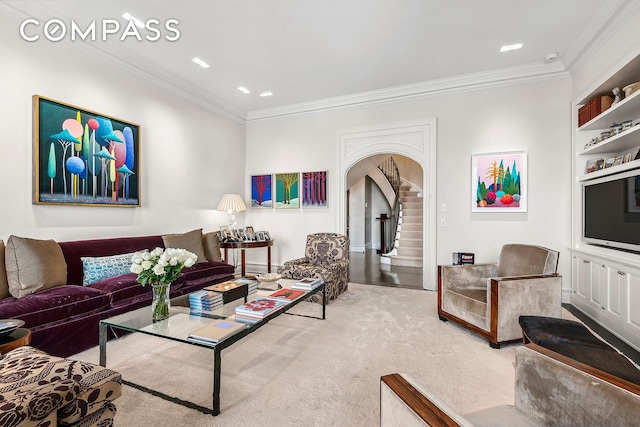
(201,63)
(509,47)
(265,94)
(244,90)
(135,20)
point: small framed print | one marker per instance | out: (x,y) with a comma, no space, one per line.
(260,236)
(618,161)
(240,234)
(266,235)
(627,158)
(249,229)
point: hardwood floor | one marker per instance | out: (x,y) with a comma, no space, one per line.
(365,268)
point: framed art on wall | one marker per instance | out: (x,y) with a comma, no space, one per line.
(287,188)
(499,182)
(261,191)
(314,189)
(83,158)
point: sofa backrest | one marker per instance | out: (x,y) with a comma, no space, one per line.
(74,250)
(526,260)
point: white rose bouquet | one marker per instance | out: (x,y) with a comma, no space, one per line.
(160,268)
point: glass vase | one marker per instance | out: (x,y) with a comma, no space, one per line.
(161,302)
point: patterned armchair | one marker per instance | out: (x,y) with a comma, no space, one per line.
(38,390)
(327,258)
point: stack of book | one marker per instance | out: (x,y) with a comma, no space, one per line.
(256,310)
(205,300)
(214,332)
(252,287)
(307,284)
(287,295)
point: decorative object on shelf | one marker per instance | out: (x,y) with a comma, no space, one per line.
(261,191)
(609,162)
(287,190)
(630,89)
(617,95)
(593,108)
(232,203)
(160,268)
(499,182)
(594,165)
(314,189)
(83,158)
(627,158)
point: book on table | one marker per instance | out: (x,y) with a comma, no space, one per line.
(257,309)
(227,286)
(205,300)
(307,283)
(216,331)
(286,294)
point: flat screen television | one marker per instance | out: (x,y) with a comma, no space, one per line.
(611,209)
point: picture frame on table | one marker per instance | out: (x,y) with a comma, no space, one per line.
(260,236)
(240,234)
(266,235)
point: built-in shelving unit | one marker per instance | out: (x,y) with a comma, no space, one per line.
(605,282)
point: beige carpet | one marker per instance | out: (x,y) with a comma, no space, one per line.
(297,371)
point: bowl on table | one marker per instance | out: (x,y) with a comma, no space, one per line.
(269,280)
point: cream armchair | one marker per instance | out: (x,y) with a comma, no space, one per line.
(488,299)
(327,258)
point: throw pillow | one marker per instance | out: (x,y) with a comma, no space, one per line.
(212,246)
(191,241)
(4,286)
(33,265)
(98,268)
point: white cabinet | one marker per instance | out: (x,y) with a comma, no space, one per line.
(609,293)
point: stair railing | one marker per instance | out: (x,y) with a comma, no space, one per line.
(389,225)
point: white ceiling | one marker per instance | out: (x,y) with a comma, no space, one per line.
(306,51)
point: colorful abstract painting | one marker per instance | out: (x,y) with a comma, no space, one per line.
(84,158)
(499,182)
(314,189)
(261,191)
(287,190)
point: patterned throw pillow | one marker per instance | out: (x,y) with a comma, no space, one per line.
(98,268)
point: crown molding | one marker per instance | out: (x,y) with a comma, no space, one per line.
(503,77)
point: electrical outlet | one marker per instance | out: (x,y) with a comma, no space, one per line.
(443,207)
(443,222)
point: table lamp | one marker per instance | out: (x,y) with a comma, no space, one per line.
(232,203)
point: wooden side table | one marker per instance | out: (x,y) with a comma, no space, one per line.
(247,245)
(18,338)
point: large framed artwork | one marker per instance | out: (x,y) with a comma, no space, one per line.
(314,189)
(84,158)
(261,191)
(287,190)
(499,182)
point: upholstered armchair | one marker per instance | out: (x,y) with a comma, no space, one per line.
(488,299)
(40,390)
(326,257)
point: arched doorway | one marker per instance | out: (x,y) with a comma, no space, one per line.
(415,140)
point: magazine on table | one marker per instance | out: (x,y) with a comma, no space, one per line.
(215,331)
(286,294)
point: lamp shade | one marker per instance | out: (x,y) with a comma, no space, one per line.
(232,203)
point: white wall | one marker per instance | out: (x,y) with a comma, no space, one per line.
(189,156)
(532,116)
(378,206)
(357,200)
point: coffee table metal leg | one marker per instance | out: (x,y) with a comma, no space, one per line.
(216,381)
(103,345)
(324,300)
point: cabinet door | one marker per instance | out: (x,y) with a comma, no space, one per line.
(632,308)
(582,276)
(599,284)
(618,289)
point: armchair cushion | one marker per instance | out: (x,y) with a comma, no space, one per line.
(326,248)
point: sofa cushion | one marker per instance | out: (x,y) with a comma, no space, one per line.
(98,268)
(191,241)
(211,243)
(4,286)
(54,304)
(121,288)
(33,265)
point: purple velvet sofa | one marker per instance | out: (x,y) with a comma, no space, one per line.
(64,319)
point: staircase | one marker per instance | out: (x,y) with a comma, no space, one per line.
(408,251)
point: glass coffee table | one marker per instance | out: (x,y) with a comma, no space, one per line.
(183,320)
